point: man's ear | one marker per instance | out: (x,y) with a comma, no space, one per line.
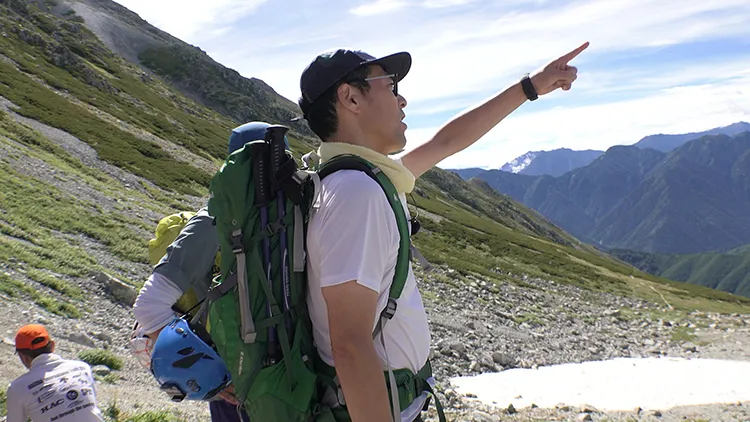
(349,97)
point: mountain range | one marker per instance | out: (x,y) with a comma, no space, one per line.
(692,199)
(562,160)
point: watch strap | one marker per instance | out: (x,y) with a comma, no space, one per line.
(528,88)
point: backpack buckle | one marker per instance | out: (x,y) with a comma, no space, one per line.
(274,227)
(390,308)
(237,246)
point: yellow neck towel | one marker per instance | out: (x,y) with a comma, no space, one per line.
(402,179)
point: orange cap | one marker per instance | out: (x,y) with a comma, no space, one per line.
(31,337)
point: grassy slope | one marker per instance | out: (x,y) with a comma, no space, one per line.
(466,226)
(729,271)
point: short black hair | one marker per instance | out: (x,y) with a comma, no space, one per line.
(32,354)
(321,114)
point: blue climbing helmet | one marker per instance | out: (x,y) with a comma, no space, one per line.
(185,365)
(248,132)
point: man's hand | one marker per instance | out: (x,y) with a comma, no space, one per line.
(228,395)
(557,73)
(472,124)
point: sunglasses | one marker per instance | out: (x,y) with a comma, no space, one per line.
(374,78)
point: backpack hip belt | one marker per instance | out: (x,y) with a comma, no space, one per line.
(410,387)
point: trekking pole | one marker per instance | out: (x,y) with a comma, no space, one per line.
(262,198)
(275,138)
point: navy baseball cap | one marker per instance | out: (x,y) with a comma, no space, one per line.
(328,68)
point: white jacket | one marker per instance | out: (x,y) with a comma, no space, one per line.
(54,389)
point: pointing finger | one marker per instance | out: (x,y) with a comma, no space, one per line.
(570,56)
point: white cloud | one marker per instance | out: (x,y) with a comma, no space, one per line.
(484,48)
(436,4)
(465,51)
(377,7)
(190,20)
(673,110)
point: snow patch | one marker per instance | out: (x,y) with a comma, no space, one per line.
(620,384)
(519,163)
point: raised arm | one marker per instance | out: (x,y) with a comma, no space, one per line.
(466,128)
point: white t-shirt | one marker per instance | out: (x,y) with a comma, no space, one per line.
(54,389)
(354,236)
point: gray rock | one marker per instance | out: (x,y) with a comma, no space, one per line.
(585,417)
(480,416)
(101,370)
(118,291)
(511,409)
(502,359)
(589,409)
(82,339)
(459,347)
(102,336)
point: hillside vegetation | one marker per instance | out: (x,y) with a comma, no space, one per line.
(94,154)
(728,271)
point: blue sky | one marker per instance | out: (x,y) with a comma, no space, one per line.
(653,66)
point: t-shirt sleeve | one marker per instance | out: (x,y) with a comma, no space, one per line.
(354,235)
(190,257)
(15,406)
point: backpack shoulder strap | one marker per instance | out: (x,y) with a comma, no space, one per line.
(354,162)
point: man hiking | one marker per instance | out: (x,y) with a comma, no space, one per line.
(351,101)
(54,388)
(187,268)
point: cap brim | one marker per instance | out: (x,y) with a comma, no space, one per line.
(398,63)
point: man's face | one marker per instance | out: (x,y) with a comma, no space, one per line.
(383,112)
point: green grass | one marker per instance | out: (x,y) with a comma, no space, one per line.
(54,283)
(34,209)
(528,318)
(728,271)
(113,145)
(3,401)
(101,357)
(15,288)
(112,413)
(152,416)
(683,334)
(149,106)
(107,379)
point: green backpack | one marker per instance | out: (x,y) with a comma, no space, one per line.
(257,307)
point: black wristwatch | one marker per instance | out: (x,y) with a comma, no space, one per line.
(528,88)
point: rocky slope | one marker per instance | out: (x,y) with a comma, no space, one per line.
(476,329)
